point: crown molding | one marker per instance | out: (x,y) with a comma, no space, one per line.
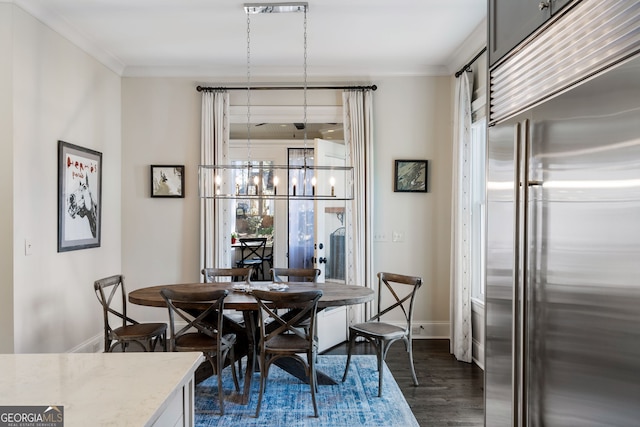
(469,48)
(54,21)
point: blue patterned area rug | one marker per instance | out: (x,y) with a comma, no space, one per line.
(287,400)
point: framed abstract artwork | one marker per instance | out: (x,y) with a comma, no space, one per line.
(79,197)
(167,181)
(411,176)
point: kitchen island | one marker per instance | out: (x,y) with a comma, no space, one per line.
(97,389)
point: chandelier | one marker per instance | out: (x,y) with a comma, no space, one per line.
(260,180)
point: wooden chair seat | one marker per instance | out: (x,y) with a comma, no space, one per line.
(379,329)
(139,331)
(288,342)
(195,342)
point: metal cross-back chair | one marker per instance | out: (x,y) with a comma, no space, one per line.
(382,334)
(202,330)
(283,338)
(280,274)
(110,290)
(238,274)
(253,255)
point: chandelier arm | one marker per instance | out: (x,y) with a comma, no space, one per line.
(263,185)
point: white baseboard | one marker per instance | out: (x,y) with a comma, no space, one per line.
(94,344)
(421,330)
(431,330)
(427,330)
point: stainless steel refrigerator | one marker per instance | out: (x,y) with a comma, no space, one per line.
(563,257)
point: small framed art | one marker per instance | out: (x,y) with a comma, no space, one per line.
(79,197)
(167,181)
(411,176)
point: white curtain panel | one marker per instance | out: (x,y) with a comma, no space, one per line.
(461,336)
(215,244)
(357,114)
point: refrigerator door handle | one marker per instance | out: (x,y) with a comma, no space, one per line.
(524,263)
(516,327)
(521,285)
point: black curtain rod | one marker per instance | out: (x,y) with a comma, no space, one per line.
(466,67)
(221,88)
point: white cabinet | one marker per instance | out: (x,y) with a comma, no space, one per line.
(124,389)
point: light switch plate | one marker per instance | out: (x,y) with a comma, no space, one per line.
(28,247)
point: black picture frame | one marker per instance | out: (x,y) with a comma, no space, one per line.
(411,176)
(79,197)
(167,181)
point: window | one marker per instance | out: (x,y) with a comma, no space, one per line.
(254,217)
(478,205)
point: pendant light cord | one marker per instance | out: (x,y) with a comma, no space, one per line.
(248,90)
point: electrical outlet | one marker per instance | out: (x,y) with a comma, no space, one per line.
(417,330)
(398,236)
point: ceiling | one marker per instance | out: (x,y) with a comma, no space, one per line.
(208,38)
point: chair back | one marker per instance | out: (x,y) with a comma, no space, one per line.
(207,321)
(253,247)
(306,305)
(111,294)
(295,274)
(238,274)
(402,292)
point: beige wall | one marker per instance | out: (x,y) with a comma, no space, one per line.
(412,120)
(160,237)
(161,124)
(59,93)
(6,179)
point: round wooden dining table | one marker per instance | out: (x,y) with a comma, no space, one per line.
(333,295)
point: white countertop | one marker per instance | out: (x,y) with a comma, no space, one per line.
(96,389)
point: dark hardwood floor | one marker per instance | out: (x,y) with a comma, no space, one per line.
(450,392)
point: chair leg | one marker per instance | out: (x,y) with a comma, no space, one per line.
(381,354)
(352,339)
(218,371)
(264,373)
(413,369)
(163,339)
(232,359)
(313,381)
